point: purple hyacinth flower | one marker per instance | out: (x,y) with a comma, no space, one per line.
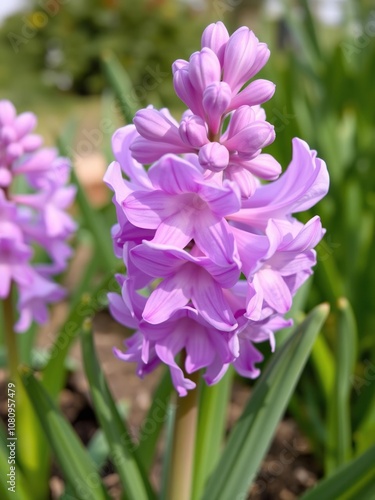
(213,255)
(184,205)
(186,278)
(38,217)
(210,85)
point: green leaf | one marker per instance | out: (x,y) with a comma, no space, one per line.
(324,365)
(97,447)
(75,463)
(171,417)
(54,372)
(121,85)
(252,435)
(339,438)
(32,446)
(304,34)
(213,404)
(123,450)
(346,477)
(154,421)
(109,123)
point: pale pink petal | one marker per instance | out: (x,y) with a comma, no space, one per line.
(245,363)
(214,238)
(276,292)
(147,209)
(256,92)
(174,175)
(199,350)
(121,142)
(176,230)
(209,301)
(170,295)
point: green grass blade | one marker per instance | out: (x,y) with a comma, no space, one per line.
(154,421)
(213,404)
(75,463)
(324,365)
(253,432)
(54,372)
(171,414)
(123,450)
(305,40)
(98,449)
(121,85)
(344,478)
(339,448)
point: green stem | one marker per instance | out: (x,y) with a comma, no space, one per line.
(10,337)
(183,447)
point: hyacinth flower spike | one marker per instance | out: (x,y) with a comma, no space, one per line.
(185,224)
(205,225)
(37,217)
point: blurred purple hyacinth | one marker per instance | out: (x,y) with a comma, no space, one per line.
(35,217)
(213,255)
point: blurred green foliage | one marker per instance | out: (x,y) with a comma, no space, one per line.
(59,44)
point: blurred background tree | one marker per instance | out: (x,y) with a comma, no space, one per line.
(58,45)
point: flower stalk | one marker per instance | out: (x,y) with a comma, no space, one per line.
(183,448)
(10,337)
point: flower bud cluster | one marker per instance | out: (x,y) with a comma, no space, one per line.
(213,254)
(35,217)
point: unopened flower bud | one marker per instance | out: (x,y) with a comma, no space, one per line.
(214,156)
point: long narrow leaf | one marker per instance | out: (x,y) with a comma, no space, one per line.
(213,403)
(171,417)
(74,461)
(133,478)
(324,364)
(154,421)
(339,448)
(253,433)
(344,478)
(121,85)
